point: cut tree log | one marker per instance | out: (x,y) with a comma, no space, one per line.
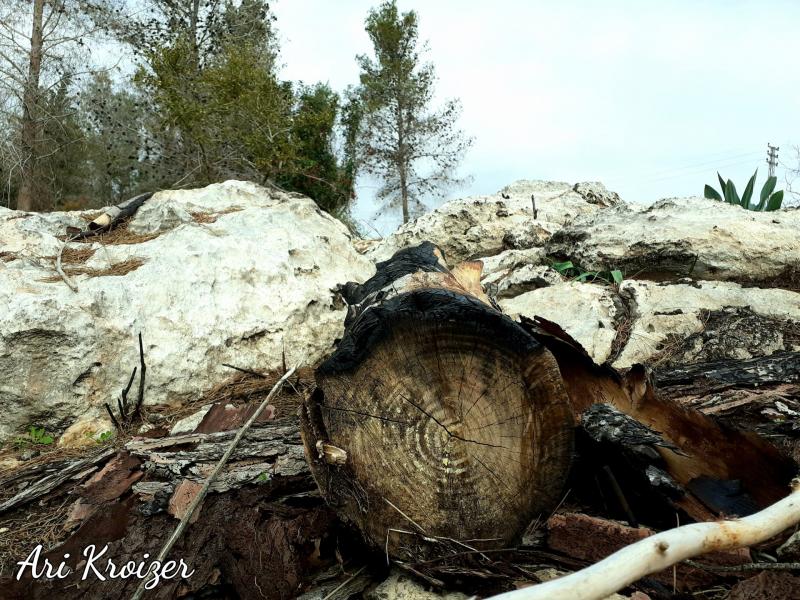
(455,426)
(448,421)
(114,216)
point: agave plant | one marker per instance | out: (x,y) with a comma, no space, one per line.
(769,200)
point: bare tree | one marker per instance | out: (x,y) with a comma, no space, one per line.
(792,177)
(40,44)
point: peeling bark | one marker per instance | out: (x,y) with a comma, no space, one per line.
(260,532)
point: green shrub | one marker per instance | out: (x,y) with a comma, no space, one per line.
(568,269)
(769,200)
(36,436)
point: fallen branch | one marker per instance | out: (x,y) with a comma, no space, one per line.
(60,270)
(114,216)
(207,485)
(663,550)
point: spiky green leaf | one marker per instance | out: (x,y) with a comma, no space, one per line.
(731,196)
(721,183)
(775,200)
(712,194)
(769,187)
(748,191)
(616,274)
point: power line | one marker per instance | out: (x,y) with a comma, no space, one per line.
(703,164)
(686,174)
(687,169)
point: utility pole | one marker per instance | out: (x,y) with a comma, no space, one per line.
(772,158)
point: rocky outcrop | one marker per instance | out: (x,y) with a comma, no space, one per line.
(697,321)
(687,237)
(587,312)
(672,323)
(232,273)
(486,225)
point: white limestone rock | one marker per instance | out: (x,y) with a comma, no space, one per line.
(520,279)
(399,586)
(512,259)
(585,311)
(672,321)
(696,237)
(236,273)
(486,225)
(189,423)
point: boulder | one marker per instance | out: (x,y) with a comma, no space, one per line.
(697,321)
(520,279)
(486,225)
(232,273)
(587,312)
(696,237)
(663,324)
(512,259)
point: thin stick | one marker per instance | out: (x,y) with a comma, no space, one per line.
(623,501)
(407,518)
(113,418)
(142,370)
(124,403)
(137,595)
(248,371)
(661,551)
(344,583)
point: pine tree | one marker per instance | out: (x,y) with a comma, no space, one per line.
(413,149)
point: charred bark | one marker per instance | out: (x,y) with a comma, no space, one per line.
(704,449)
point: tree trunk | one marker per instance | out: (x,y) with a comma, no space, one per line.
(438,417)
(30,124)
(402,166)
(404,193)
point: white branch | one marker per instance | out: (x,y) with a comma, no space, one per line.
(661,551)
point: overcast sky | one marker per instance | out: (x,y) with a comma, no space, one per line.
(649,97)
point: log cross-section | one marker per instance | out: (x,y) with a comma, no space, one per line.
(454,421)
